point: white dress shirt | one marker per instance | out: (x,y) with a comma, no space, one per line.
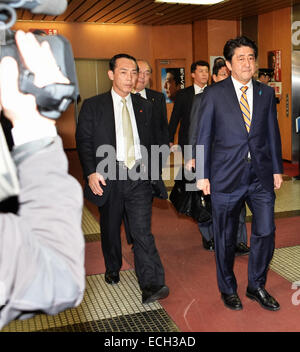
(199,89)
(237,86)
(118,106)
(142,93)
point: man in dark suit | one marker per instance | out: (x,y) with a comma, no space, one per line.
(114,136)
(160,122)
(157,99)
(184,101)
(181,114)
(219,72)
(242,162)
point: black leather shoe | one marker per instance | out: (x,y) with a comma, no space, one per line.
(263,298)
(112,277)
(208,245)
(232,301)
(242,249)
(152,293)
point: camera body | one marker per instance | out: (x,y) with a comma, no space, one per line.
(52,100)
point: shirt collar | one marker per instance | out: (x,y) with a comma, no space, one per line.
(238,85)
(117,97)
(142,93)
(199,89)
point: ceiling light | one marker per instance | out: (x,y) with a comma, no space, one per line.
(192,2)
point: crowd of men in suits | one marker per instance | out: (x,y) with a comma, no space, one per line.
(234,119)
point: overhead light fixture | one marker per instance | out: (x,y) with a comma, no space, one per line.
(192,2)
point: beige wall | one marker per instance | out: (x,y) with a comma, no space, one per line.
(198,41)
(104,41)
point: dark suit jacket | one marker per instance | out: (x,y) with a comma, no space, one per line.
(193,129)
(160,112)
(181,113)
(96,127)
(222,131)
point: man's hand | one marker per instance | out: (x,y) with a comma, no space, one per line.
(94,182)
(190,164)
(173,147)
(38,58)
(204,185)
(278,180)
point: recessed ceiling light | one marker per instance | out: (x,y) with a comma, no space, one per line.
(192,2)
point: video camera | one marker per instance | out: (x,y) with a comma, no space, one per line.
(52,99)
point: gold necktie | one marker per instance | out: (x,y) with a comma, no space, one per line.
(245,108)
(128,137)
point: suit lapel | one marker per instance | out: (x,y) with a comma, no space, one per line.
(149,95)
(109,118)
(257,94)
(232,99)
(139,114)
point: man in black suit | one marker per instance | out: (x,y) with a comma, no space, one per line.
(184,101)
(114,137)
(160,122)
(181,114)
(157,99)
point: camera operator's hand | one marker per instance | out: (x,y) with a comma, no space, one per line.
(38,58)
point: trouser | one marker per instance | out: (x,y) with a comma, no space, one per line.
(206,228)
(226,209)
(135,199)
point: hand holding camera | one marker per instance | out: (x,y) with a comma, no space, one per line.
(37,58)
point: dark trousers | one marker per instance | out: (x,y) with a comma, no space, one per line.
(226,209)
(206,228)
(133,198)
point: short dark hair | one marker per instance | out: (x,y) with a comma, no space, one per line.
(219,63)
(198,63)
(113,61)
(175,72)
(238,42)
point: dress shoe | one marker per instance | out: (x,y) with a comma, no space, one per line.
(232,301)
(112,277)
(263,298)
(152,293)
(208,245)
(242,249)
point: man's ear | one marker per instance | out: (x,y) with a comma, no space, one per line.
(110,75)
(228,64)
(193,75)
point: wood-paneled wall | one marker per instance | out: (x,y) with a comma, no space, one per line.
(274,33)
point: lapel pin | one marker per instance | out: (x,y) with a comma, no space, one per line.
(260,92)
(141,110)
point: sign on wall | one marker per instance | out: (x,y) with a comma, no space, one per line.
(172,80)
(274,62)
(45,31)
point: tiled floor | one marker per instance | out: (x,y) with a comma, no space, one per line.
(194,303)
(104,308)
